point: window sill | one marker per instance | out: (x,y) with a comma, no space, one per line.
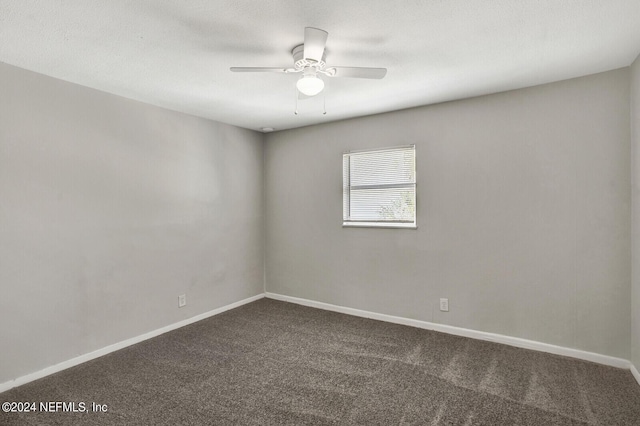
(379,225)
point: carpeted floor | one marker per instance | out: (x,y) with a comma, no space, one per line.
(277,363)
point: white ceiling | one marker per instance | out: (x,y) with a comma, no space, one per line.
(177,53)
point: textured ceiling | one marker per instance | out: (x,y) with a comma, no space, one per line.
(177,53)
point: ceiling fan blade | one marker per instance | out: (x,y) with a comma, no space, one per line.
(356,72)
(258,69)
(314,42)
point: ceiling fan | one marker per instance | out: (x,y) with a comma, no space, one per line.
(309,59)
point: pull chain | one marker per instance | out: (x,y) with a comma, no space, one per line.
(296,94)
(324,101)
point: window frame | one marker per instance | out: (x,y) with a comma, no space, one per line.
(347,188)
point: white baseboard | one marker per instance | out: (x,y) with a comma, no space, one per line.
(635,373)
(465,332)
(120,345)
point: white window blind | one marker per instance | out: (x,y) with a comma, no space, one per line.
(379,187)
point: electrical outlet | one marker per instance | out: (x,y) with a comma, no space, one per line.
(182,300)
(444,305)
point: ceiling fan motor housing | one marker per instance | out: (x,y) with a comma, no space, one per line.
(301,63)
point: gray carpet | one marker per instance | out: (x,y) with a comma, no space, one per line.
(277,363)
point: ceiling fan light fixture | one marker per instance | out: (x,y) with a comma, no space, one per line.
(310,85)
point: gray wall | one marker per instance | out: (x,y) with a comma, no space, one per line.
(524,203)
(635,147)
(109,209)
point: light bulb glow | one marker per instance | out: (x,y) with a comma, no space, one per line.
(310,85)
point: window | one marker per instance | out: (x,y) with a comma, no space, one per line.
(379,187)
